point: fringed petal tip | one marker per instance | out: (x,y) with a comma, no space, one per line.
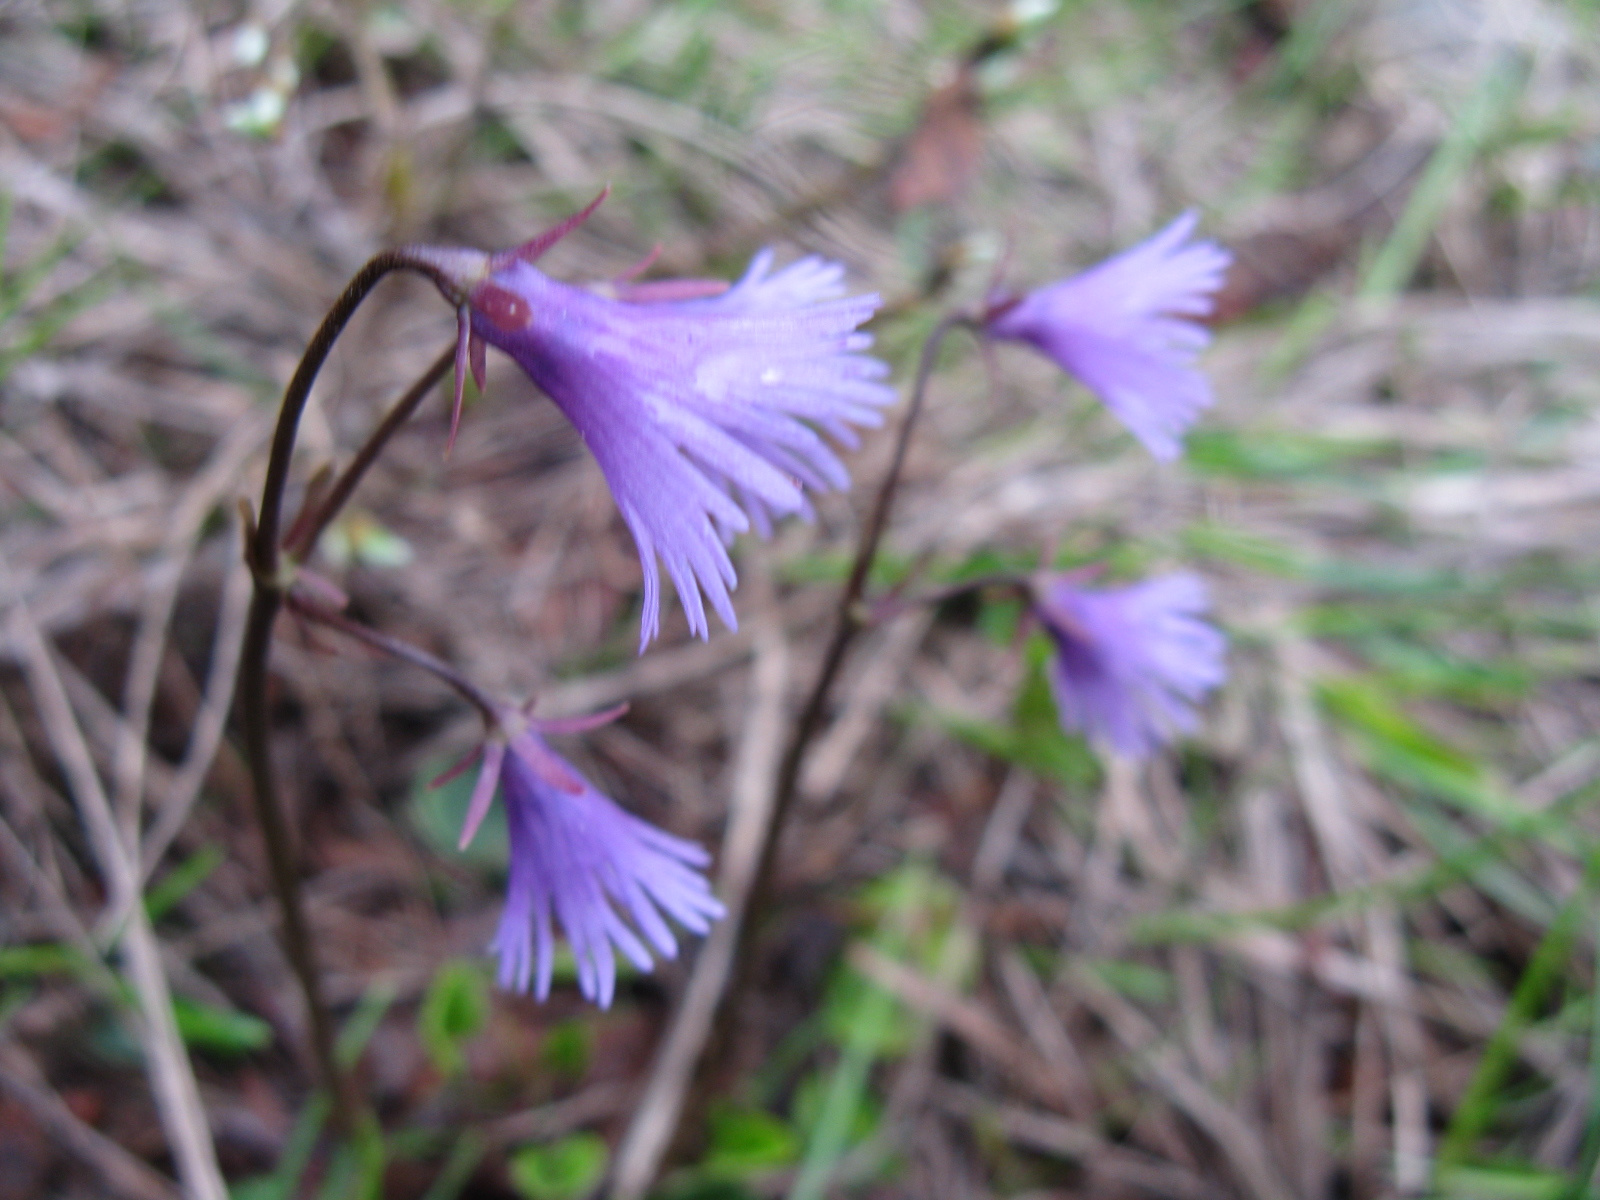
(534,248)
(483,790)
(610,880)
(706,413)
(1127,330)
(1131,664)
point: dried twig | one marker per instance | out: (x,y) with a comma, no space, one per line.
(659,1111)
(210,722)
(1161,1066)
(172,1078)
(212,486)
(121,1173)
(1345,854)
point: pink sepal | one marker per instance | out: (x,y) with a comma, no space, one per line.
(483,790)
(531,249)
(319,587)
(454,770)
(581,724)
(464,340)
(640,267)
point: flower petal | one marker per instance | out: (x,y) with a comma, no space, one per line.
(704,414)
(1125,329)
(1132,663)
(596,868)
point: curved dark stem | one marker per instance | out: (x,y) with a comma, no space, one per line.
(264,549)
(396,648)
(270,588)
(302,536)
(298,943)
(848,621)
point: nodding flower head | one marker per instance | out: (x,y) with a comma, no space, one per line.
(1127,330)
(607,878)
(1131,664)
(705,404)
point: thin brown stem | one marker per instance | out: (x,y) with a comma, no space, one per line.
(848,622)
(396,648)
(302,537)
(263,552)
(298,943)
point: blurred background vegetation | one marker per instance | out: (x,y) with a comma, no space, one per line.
(1341,944)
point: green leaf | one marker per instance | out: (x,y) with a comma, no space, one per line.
(376,546)
(855,1011)
(1361,704)
(563,1170)
(1475,119)
(833,1108)
(457,1171)
(45,958)
(454,1010)
(283,1182)
(888,569)
(360,1025)
(1041,744)
(1511,1181)
(1279,454)
(1399,748)
(1423,671)
(1223,543)
(181,880)
(359,538)
(219,1030)
(998,619)
(699,1185)
(356,1172)
(567,1048)
(1137,981)
(1383,579)
(747,1141)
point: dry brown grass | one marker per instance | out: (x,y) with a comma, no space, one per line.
(1340,945)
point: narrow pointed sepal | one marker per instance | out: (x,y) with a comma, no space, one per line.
(582,724)
(531,250)
(483,790)
(464,364)
(477,359)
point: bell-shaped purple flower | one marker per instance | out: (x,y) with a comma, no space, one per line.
(1131,664)
(1127,330)
(705,405)
(608,878)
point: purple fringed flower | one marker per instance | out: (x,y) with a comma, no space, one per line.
(1131,663)
(704,404)
(1126,329)
(578,857)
